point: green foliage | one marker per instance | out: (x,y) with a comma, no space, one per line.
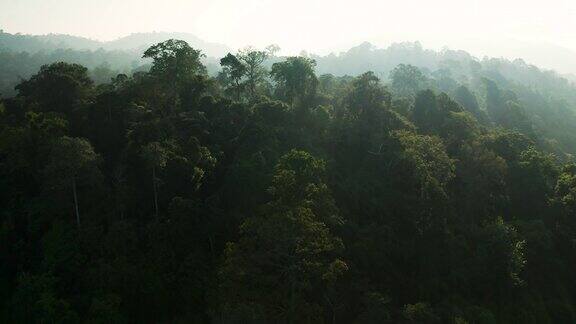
(174,60)
(428,157)
(289,244)
(255,72)
(406,79)
(367,95)
(420,313)
(57,87)
(295,79)
(232,73)
(35,301)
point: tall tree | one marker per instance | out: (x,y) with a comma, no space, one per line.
(70,160)
(235,70)
(469,101)
(156,156)
(286,257)
(255,71)
(177,66)
(295,78)
(407,79)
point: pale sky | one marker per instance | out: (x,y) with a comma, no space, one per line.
(318,26)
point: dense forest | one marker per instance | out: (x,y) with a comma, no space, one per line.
(271,191)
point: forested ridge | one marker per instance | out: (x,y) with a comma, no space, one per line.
(273,193)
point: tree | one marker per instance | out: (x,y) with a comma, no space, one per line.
(286,255)
(177,66)
(531,183)
(426,114)
(565,190)
(469,101)
(434,114)
(234,69)
(272,49)
(36,299)
(367,95)
(155,156)
(255,72)
(103,73)
(499,257)
(295,78)
(505,110)
(431,166)
(407,79)
(57,87)
(175,60)
(420,313)
(564,200)
(70,160)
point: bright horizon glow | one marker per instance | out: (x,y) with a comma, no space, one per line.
(483,27)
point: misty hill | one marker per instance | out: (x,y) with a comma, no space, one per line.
(134,42)
(458,65)
(367,57)
(571,77)
(141,41)
(22,55)
(543,54)
(35,43)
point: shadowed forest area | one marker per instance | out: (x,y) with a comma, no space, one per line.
(397,185)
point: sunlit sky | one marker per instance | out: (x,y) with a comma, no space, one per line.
(318,26)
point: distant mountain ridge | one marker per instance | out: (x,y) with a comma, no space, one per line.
(542,54)
(133,42)
(140,41)
(22,55)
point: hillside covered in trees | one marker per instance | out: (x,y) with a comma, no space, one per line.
(22,55)
(378,186)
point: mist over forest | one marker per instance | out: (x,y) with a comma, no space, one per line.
(22,55)
(161,178)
